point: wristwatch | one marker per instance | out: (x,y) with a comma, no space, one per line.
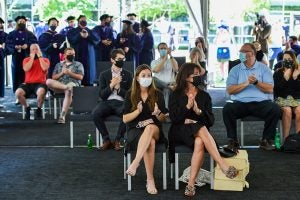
(255,83)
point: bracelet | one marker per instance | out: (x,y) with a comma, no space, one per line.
(255,83)
(158,113)
(200,111)
(171,57)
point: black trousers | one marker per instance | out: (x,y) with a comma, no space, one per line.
(105,109)
(266,110)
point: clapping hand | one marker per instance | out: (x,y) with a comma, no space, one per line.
(156,110)
(140,106)
(191,100)
(252,78)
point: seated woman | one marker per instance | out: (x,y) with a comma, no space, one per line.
(191,116)
(287,91)
(144,108)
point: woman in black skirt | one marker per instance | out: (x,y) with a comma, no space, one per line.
(191,115)
(144,108)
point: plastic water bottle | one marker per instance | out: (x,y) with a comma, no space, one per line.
(31,114)
(277,140)
(89,142)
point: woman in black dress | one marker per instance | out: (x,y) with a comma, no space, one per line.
(144,108)
(191,115)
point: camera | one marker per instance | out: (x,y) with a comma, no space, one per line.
(259,20)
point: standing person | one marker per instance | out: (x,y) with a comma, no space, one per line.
(10,26)
(262,31)
(71,24)
(3,37)
(195,57)
(191,115)
(147,43)
(66,75)
(40,28)
(250,86)
(84,40)
(144,109)
(201,44)
(36,69)
(52,44)
(223,41)
(287,91)
(114,83)
(135,25)
(129,42)
(17,44)
(105,33)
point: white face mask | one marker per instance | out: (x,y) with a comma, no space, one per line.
(145,82)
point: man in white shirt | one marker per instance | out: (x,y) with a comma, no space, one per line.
(164,68)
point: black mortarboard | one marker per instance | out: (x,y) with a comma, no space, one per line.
(127,22)
(145,23)
(70,18)
(10,20)
(104,16)
(131,14)
(20,17)
(80,16)
(1,20)
(52,18)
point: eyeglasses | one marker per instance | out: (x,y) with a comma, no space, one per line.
(244,51)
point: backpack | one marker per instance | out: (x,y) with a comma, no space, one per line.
(291,144)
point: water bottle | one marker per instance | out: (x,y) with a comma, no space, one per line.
(89,142)
(277,140)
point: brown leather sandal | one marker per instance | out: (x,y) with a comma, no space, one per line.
(190,191)
(231,172)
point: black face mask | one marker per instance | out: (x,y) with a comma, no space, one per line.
(197,80)
(52,28)
(21,26)
(70,57)
(83,23)
(36,57)
(107,23)
(287,63)
(119,63)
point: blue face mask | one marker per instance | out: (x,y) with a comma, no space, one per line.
(162,52)
(242,57)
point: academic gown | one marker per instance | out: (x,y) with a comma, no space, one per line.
(65,30)
(132,41)
(14,38)
(85,52)
(146,53)
(3,37)
(46,41)
(104,33)
(136,27)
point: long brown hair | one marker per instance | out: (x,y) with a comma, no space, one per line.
(293,56)
(136,90)
(185,71)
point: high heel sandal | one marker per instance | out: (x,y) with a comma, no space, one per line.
(131,172)
(231,172)
(149,189)
(189,191)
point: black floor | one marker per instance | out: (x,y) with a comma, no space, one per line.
(40,172)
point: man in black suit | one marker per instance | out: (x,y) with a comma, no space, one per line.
(114,84)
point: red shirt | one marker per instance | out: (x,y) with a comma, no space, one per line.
(36,73)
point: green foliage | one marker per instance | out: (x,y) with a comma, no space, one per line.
(151,10)
(257,7)
(62,8)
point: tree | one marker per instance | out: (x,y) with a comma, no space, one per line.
(62,8)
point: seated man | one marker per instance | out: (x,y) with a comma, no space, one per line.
(36,68)
(114,84)
(250,85)
(164,68)
(66,75)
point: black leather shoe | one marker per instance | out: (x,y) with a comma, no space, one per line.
(27,114)
(233,146)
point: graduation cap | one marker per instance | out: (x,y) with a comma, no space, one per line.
(70,18)
(53,18)
(20,17)
(10,20)
(1,21)
(145,23)
(131,14)
(127,22)
(104,16)
(80,16)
